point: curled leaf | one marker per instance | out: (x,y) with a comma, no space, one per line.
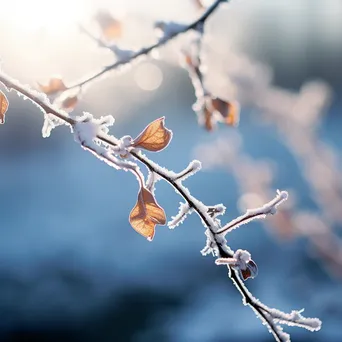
(211,110)
(69,103)
(242,263)
(3,107)
(55,85)
(146,214)
(251,270)
(155,137)
(110,27)
(229,111)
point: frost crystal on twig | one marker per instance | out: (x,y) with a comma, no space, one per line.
(216,210)
(184,211)
(85,130)
(295,319)
(50,122)
(151,181)
(189,171)
(165,30)
(121,54)
(241,262)
(252,214)
(123,144)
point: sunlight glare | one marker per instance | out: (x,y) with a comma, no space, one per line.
(53,16)
(148,76)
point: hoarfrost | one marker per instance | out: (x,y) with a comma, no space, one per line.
(121,54)
(295,318)
(210,246)
(50,122)
(167,29)
(193,167)
(85,130)
(184,211)
(252,214)
(124,143)
(152,179)
(216,210)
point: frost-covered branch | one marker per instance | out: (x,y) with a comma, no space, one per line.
(93,135)
(171,34)
(252,214)
(256,187)
(184,211)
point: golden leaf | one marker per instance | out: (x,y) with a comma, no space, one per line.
(146,214)
(3,107)
(69,103)
(55,85)
(154,137)
(110,27)
(229,111)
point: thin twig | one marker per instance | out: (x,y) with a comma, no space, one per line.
(91,36)
(147,50)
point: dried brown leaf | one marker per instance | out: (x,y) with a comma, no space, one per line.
(3,107)
(251,271)
(146,214)
(155,137)
(69,103)
(110,27)
(55,85)
(229,111)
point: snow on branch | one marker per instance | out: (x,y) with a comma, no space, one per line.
(216,210)
(184,211)
(165,30)
(252,214)
(295,318)
(193,167)
(241,262)
(125,153)
(151,181)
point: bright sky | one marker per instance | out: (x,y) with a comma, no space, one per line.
(41,37)
(30,15)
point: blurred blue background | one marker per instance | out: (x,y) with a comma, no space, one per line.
(72,268)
